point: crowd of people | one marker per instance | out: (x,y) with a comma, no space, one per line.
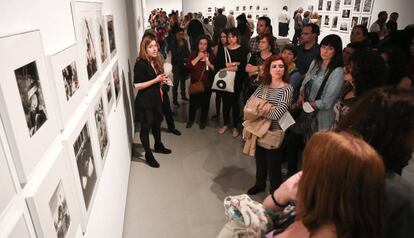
(353,106)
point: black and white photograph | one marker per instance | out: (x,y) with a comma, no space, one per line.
(102,39)
(354,21)
(70,80)
(347,2)
(209,9)
(85,162)
(237,8)
(100,121)
(334,25)
(326,20)
(320,5)
(117,82)
(367,7)
(109,91)
(251,7)
(357,6)
(344,27)
(111,33)
(265,8)
(128,108)
(60,211)
(365,21)
(91,64)
(328,6)
(31,96)
(346,13)
(337,5)
(258,8)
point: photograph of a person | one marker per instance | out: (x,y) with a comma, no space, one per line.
(337,5)
(244,8)
(102,39)
(117,82)
(367,6)
(251,7)
(346,13)
(334,22)
(258,8)
(109,95)
(60,211)
(344,27)
(328,6)
(347,2)
(31,96)
(326,20)
(111,33)
(354,22)
(91,64)
(365,21)
(357,6)
(86,164)
(237,8)
(70,80)
(100,121)
(320,5)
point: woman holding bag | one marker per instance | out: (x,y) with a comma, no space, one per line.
(275,82)
(238,56)
(200,65)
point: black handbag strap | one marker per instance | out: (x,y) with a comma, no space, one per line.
(325,80)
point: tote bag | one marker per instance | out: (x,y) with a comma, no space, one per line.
(224,79)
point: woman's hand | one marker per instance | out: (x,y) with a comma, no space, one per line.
(160,78)
(299,102)
(201,55)
(232,64)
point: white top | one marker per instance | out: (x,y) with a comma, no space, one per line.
(284,17)
(375,27)
(230,21)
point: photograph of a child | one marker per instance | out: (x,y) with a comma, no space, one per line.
(60,211)
(70,80)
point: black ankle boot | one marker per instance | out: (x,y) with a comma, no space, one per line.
(255,189)
(151,160)
(161,149)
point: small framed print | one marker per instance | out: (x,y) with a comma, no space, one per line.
(328,6)
(109,94)
(117,81)
(320,5)
(53,205)
(347,3)
(327,21)
(16,221)
(367,6)
(357,6)
(111,34)
(346,13)
(26,102)
(70,84)
(365,21)
(354,21)
(344,26)
(337,6)
(335,22)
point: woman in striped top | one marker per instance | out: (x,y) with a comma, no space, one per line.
(279,95)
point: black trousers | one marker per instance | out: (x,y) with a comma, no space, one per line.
(296,36)
(201,100)
(219,95)
(231,101)
(150,119)
(178,79)
(166,109)
(268,162)
(283,29)
(293,145)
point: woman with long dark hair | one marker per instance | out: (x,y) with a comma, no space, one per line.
(148,76)
(219,50)
(200,65)
(275,81)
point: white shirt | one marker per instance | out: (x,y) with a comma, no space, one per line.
(284,17)
(230,21)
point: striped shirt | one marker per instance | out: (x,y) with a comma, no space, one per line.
(280,98)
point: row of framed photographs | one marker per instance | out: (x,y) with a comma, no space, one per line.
(335,23)
(357,6)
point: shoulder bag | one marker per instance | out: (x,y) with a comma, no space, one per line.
(224,79)
(197,87)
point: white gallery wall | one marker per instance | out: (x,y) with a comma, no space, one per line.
(53,18)
(403,7)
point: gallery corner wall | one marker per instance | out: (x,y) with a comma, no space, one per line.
(53,20)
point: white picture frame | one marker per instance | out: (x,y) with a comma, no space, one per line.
(346,14)
(26,101)
(84,164)
(367,6)
(328,6)
(365,20)
(50,197)
(129,112)
(116,81)
(16,221)
(347,3)
(327,21)
(109,90)
(85,21)
(336,6)
(110,24)
(344,26)
(354,21)
(335,22)
(70,81)
(357,6)
(103,40)
(320,5)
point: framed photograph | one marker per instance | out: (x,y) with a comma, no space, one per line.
(344,26)
(111,34)
(117,81)
(16,221)
(70,84)
(109,92)
(335,22)
(129,115)
(357,6)
(81,150)
(310,8)
(328,6)
(347,3)
(367,6)
(237,8)
(337,5)
(85,21)
(327,21)
(320,5)
(7,184)
(99,117)
(52,204)
(26,101)
(258,8)
(265,9)
(346,13)
(131,88)
(251,8)
(354,21)
(209,9)
(103,41)
(244,8)
(365,21)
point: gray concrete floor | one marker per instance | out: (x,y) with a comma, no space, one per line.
(184,197)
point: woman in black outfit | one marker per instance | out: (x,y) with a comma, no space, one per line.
(148,76)
(238,55)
